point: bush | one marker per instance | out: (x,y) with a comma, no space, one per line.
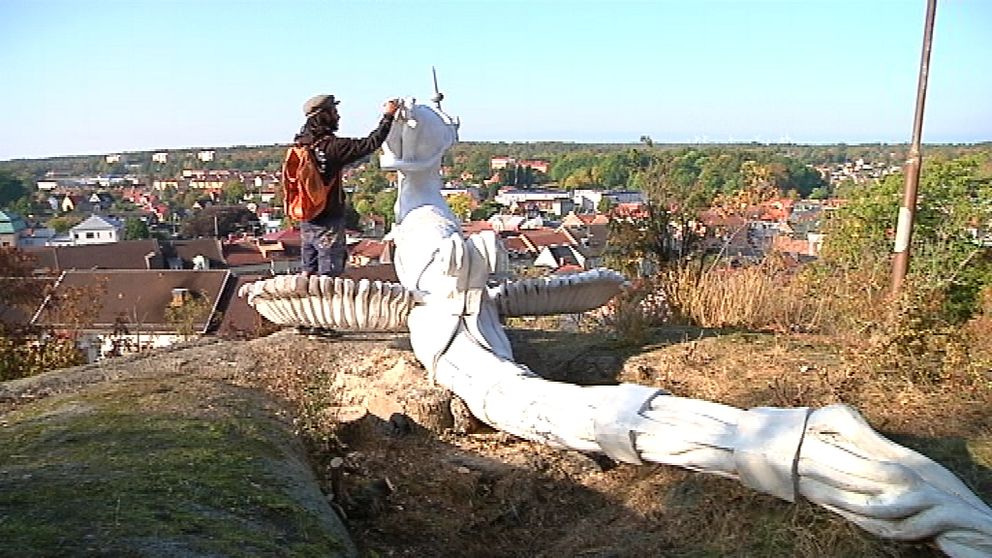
(766,296)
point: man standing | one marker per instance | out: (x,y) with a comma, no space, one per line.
(322,237)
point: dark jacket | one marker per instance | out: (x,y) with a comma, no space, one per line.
(333,154)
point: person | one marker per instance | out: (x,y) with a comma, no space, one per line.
(322,238)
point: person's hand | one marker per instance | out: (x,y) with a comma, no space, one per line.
(390,107)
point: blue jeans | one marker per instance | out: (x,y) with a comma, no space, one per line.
(322,246)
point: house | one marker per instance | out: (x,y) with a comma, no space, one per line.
(533,202)
(526,247)
(535,164)
(366,252)
(74,202)
(126,254)
(240,320)
(96,229)
(473,227)
(160,157)
(726,233)
(372,225)
(587,201)
(165,184)
(12,229)
(583,219)
(500,222)
(100,200)
(132,310)
(629,211)
(198,253)
(555,257)
(37,236)
(497,163)
(274,253)
(588,241)
(205,156)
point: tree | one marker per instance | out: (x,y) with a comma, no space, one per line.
(218,219)
(234,192)
(384,205)
(188,316)
(64,223)
(485,210)
(946,262)
(20,295)
(461,205)
(11,188)
(135,229)
(677,192)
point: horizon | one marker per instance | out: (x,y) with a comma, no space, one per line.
(226,74)
(656,144)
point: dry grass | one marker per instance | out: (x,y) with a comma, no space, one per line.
(489,494)
(762,297)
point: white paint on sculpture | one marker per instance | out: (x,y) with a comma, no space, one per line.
(830,456)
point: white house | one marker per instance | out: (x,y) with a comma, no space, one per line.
(587,201)
(96,229)
(160,157)
(556,202)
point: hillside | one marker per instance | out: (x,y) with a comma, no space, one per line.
(193,452)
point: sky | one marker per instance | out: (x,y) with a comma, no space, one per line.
(110,76)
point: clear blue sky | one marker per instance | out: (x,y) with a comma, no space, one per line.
(85,76)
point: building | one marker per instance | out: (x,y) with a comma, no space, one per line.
(12,229)
(587,201)
(96,229)
(205,156)
(160,157)
(131,310)
(554,202)
(126,254)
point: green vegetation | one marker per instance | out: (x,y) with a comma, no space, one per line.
(931,332)
(129,469)
(27,349)
(135,229)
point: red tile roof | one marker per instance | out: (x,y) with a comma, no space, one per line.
(283,235)
(472,227)
(367,248)
(539,238)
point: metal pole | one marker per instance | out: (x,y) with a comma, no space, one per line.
(904,228)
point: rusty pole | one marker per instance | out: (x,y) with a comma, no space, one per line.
(904,228)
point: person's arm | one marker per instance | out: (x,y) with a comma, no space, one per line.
(343,151)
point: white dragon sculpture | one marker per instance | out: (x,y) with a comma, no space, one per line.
(830,456)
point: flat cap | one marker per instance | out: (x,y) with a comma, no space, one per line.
(316,103)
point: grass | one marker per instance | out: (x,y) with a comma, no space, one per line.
(127,471)
(176,467)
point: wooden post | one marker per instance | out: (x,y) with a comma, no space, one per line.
(904,228)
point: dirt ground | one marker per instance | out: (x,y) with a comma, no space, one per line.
(408,491)
(411,476)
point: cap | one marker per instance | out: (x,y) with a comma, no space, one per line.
(316,103)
